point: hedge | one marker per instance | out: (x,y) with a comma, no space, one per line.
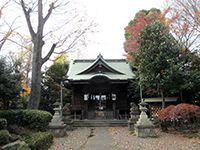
(32,119)
(39,140)
(4,137)
(12,116)
(36,119)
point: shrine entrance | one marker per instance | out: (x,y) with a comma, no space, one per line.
(101,106)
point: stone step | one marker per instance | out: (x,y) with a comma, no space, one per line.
(99,123)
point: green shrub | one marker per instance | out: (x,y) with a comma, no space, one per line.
(39,140)
(4,137)
(12,116)
(36,119)
(32,119)
(3,123)
(24,147)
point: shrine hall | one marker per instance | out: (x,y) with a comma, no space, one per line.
(99,88)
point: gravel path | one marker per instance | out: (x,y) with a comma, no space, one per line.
(101,140)
(119,138)
(73,141)
(127,141)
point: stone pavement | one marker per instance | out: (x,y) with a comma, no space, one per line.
(120,138)
(100,139)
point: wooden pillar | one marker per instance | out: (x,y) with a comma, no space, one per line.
(73,96)
(114,109)
(73,103)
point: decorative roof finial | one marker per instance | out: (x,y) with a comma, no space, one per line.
(99,56)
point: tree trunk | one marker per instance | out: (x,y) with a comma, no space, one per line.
(163,98)
(36,77)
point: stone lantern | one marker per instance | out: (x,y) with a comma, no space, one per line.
(57,126)
(144,127)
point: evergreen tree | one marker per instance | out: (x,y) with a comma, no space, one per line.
(157,59)
(10,85)
(51,84)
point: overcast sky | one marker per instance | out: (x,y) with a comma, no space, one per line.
(112,16)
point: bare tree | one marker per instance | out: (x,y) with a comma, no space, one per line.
(185,15)
(4,34)
(66,32)
(22,61)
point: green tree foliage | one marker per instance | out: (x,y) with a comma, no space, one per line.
(157,58)
(163,65)
(191,80)
(10,85)
(51,84)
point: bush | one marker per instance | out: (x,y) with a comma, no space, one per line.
(163,114)
(4,137)
(3,123)
(185,112)
(39,140)
(181,115)
(24,147)
(32,119)
(12,116)
(36,119)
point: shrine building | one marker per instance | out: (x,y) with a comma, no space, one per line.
(99,88)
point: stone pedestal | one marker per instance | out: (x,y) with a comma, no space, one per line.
(57,126)
(134,114)
(144,127)
(131,125)
(58,131)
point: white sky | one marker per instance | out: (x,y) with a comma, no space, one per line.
(112,16)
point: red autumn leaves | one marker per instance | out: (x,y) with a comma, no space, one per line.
(181,111)
(143,18)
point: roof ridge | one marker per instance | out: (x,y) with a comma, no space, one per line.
(91,60)
(95,62)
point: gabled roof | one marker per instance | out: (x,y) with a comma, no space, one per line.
(101,64)
(113,69)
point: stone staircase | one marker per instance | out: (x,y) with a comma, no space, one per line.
(99,123)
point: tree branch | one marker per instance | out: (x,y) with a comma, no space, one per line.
(49,53)
(27,16)
(40,17)
(2,7)
(2,42)
(51,7)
